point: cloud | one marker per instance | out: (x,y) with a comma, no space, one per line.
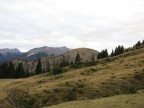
(97,24)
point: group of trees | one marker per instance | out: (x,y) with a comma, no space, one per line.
(8,70)
(64,63)
(118,50)
(78,58)
(38,67)
(103,54)
(138,44)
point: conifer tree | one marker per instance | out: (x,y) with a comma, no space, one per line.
(112,53)
(138,44)
(143,42)
(77,59)
(4,70)
(93,58)
(103,54)
(11,70)
(118,50)
(39,67)
(27,73)
(20,72)
(48,66)
(64,63)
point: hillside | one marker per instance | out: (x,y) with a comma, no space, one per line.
(120,101)
(109,77)
(48,63)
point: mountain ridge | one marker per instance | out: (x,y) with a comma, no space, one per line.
(7,54)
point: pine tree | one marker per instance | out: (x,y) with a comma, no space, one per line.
(39,67)
(103,54)
(27,74)
(138,44)
(4,70)
(77,59)
(64,63)
(20,72)
(112,53)
(11,70)
(48,66)
(93,58)
(71,63)
(118,50)
(143,42)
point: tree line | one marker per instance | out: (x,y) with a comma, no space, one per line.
(8,70)
(138,44)
(118,50)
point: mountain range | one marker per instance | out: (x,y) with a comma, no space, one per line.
(50,57)
(33,54)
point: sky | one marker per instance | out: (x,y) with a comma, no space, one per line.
(96,24)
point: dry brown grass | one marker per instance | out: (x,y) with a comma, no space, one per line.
(3,83)
(120,101)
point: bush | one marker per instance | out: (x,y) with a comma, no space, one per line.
(93,69)
(132,89)
(70,96)
(139,76)
(77,65)
(82,73)
(28,101)
(90,63)
(57,71)
(83,64)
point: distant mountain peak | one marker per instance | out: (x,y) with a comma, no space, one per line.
(8,50)
(48,50)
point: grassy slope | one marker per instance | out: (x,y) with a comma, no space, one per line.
(112,77)
(120,101)
(3,83)
(4,103)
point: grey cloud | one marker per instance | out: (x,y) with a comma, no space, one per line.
(95,24)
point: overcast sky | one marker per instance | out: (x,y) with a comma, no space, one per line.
(96,24)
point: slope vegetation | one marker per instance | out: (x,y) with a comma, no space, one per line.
(120,101)
(109,77)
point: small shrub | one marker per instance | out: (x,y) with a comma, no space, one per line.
(82,73)
(28,102)
(69,96)
(83,64)
(80,85)
(132,90)
(108,59)
(92,69)
(57,71)
(137,76)
(90,63)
